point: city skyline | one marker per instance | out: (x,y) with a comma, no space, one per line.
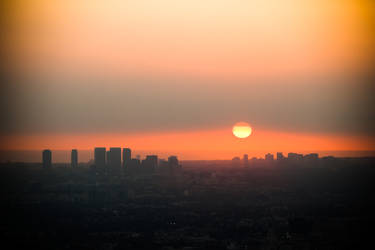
(122,156)
(64,156)
(118,160)
(187,124)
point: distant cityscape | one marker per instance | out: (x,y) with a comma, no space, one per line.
(116,160)
(112,162)
(118,201)
(292,158)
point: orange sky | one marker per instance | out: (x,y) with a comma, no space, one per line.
(212,38)
(205,144)
(192,67)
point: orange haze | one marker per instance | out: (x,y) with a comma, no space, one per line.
(209,144)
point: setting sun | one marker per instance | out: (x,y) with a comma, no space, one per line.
(241,130)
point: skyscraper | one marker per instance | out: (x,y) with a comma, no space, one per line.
(133,165)
(74,158)
(245,160)
(279,156)
(115,159)
(150,163)
(47,159)
(269,157)
(99,157)
(295,156)
(173,161)
(126,156)
(311,156)
(153,160)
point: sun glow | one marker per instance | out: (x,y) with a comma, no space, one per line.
(242,130)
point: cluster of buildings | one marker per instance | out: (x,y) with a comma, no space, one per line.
(116,159)
(269,158)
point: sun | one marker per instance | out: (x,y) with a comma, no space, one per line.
(242,130)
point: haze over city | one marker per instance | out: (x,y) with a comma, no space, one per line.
(187,124)
(160,76)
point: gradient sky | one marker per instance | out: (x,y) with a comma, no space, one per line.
(176,75)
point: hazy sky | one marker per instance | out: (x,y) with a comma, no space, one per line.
(163,69)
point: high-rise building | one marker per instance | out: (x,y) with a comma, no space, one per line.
(236,161)
(173,161)
(295,156)
(74,158)
(245,160)
(150,163)
(153,159)
(279,156)
(47,158)
(99,157)
(115,159)
(173,164)
(126,157)
(311,156)
(269,157)
(133,165)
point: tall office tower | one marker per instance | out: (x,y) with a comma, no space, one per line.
(311,156)
(172,164)
(269,157)
(173,161)
(115,159)
(126,157)
(279,156)
(99,157)
(150,163)
(133,165)
(47,158)
(295,156)
(245,160)
(153,159)
(74,158)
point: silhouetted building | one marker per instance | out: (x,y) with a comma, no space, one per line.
(153,159)
(115,159)
(279,156)
(312,156)
(236,161)
(126,156)
(253,162)
(245,160)
(311,160)
(268,157)
(163,164)
(173,161)
(170,165)
(150,163)
(99,157)
(74,158)
(294,156)
(133,165)
(47,158)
